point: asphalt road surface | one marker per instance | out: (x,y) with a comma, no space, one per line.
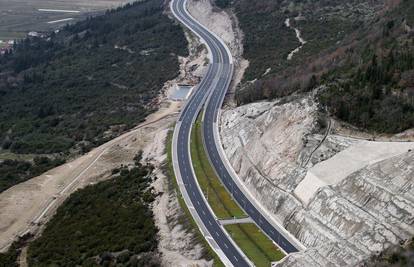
(211,91)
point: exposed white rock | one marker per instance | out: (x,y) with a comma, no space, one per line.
(364,209)
(340,166)
(225,25)
(298,36)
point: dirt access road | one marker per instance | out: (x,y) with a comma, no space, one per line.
(18,17)
(27,206)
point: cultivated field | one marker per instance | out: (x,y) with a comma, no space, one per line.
(18,17)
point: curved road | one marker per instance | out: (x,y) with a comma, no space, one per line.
(211,91)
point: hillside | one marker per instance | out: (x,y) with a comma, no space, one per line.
(20,17)
(110,222)
(75,89)
(116,213)
(361,52)
(398,256)
(345,194)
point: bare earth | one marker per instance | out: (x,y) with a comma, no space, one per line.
(18,17)
(225,24)
(26,207)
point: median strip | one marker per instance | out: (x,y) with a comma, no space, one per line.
(187,221)
(252,241)
(219,199)
(255,244)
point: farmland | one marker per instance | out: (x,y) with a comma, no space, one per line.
(19,17)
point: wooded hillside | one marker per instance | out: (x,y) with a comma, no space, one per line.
(73,90)
(107,224)
(361,51)
(67,90)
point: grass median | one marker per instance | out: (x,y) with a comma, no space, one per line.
(188,221)
(255,244)
(217,196)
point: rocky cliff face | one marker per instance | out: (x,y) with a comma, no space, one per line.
(267,143)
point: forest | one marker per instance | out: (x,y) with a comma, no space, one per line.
(106,224)
(89,82)
(377,96)
(73,90)
(16,171)
(360,55)
(397,255)
(374,87)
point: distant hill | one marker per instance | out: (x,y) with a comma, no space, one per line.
(68,89)
(18,18)
(107,224)
(75,89)
(360,51)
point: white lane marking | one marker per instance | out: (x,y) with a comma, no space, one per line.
(44,211)
(59,20)
(58,10)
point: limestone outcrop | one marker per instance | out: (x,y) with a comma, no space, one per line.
(273,145)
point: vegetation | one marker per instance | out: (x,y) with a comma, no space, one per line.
(187,221)
(256,245)
(250,239)
(223,3)
(9,258)
(374,88)
(16,171)
(107,224)
(267,40)
(75,89)
(374,96)
(217,196)
(396,256)
(363,54)
(67,90)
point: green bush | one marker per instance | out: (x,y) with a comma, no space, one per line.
(100,221)
(69,88)
(13,172)
(223,3)
(374,96)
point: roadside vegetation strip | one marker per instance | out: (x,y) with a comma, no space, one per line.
(218,197)
(255,244)
(109,223)
(187,221)
(9,257)
(52,121)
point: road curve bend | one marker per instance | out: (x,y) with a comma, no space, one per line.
(210,93)
(214,233)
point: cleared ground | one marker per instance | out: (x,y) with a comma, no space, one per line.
(346,162)
(256,245)
(216,194)
(18,17)
(28,205)
(188,221)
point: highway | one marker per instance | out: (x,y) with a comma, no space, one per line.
(210,93)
